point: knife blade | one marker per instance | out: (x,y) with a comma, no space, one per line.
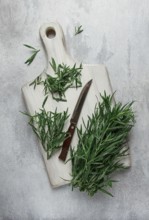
(74,120)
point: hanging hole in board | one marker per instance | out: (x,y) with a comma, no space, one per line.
(50,33)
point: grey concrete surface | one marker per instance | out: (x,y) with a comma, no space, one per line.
(116,33)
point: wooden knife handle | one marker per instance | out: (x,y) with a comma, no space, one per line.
(66,144)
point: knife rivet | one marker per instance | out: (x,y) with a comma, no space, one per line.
(72,127)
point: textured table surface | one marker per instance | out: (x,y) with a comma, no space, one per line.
(116,33)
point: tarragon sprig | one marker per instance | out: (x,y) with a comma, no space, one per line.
(34,53)
(100,147)
(48,126)
(78,30)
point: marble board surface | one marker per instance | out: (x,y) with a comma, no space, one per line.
(116,33)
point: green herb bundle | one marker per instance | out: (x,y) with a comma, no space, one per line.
(48,126)
(65,77)
(100,147)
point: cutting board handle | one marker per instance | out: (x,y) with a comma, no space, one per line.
(54,42)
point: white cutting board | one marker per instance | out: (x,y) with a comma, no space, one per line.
(55,48)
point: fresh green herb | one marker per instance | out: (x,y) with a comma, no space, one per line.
(34,53)
(37,81)
(101,146)
(48,126)
(44,102)
(78,30)
(65,77)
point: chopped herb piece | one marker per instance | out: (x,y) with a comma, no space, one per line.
(78,30)
(36,82)
(65,77)
(44,102)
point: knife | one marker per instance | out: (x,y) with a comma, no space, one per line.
(74,119)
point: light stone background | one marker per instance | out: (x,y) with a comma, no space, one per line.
(116,33)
